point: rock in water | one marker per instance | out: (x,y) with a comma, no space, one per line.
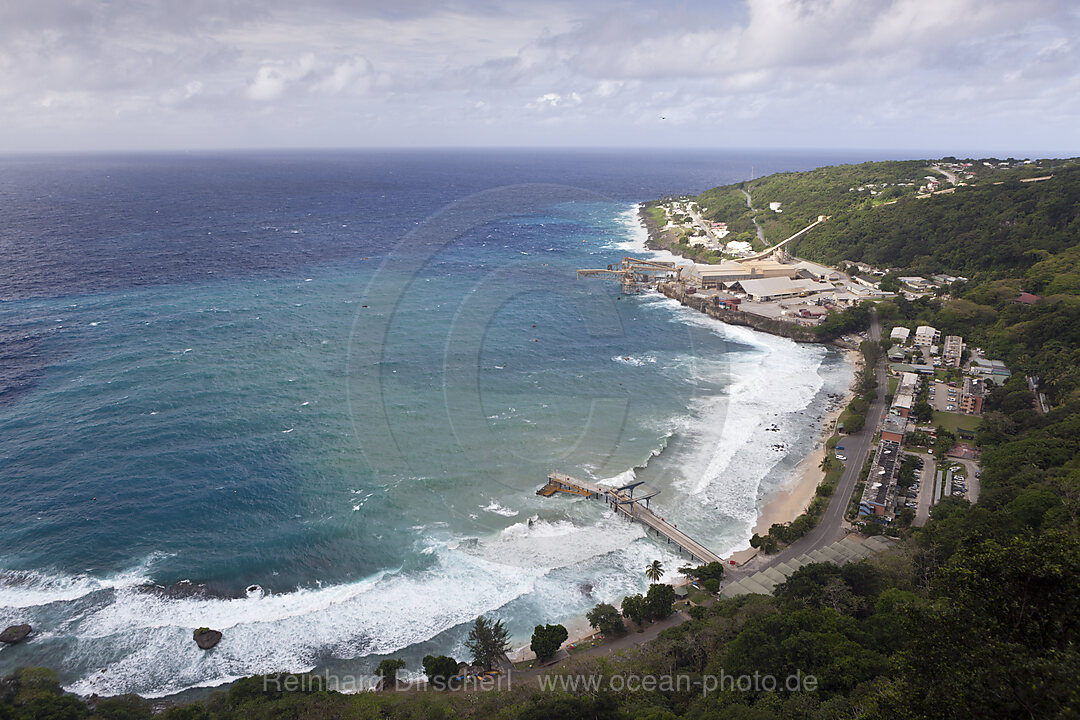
(14,634)
(206,638)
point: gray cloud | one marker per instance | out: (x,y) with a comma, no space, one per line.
(85,74)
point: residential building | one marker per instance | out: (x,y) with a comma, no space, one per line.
(893,428)
(926,335)
(879,495)
(904,397)
(952,351)
(900,334)
(972,396)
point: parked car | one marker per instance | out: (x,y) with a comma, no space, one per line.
(841,457)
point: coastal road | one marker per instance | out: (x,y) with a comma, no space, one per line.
(857,447)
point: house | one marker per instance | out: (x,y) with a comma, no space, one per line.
(900,334)
(952,351)
(775,207)
(1026,298)
(926,335)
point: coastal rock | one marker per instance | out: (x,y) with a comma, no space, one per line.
(206,638)
(15,634)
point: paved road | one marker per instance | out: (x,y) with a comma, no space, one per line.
(700,222)
(856,447)
(760,230)
(948,175)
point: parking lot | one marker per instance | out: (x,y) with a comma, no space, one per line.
(944,398)
(925,492)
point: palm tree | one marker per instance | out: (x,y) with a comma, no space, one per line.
(655,571)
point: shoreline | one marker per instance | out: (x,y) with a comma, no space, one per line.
(787,503)
(782,505)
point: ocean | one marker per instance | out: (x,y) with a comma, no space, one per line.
(306,398)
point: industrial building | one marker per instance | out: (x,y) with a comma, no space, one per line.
(729,271)
(776,288)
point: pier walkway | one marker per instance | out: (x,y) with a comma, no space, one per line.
(623,501)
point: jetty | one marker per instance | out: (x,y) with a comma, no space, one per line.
(635,274)
(632,502)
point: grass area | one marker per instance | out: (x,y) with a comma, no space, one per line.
(893,383)
(699,597)
(955,421)
(658,215)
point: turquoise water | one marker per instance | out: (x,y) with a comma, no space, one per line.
(335,459)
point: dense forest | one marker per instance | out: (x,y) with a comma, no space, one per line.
(974,615)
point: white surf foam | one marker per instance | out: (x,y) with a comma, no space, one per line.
(26,589)
(495,507)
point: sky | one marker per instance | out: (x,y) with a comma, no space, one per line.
(952,76)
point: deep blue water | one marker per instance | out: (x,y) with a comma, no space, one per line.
(340,377)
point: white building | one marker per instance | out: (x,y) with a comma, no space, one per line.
(775,207)
(900,334)
(739,247)
(926,335)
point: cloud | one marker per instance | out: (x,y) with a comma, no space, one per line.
(760,70)
(312,74)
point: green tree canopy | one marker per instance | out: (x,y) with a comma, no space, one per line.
(487,641)
(605,618)
(546,640)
